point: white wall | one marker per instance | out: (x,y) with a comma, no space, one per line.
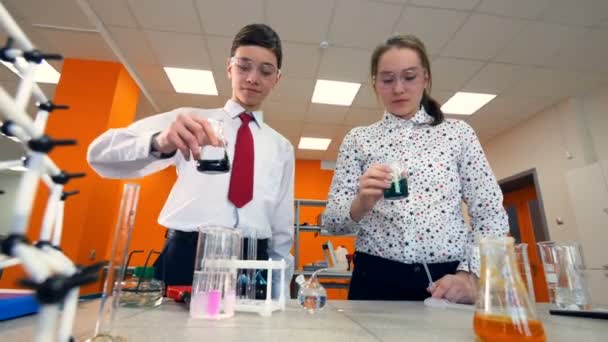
(568,146)
(9,180)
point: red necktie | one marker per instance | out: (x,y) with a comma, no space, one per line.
(241,180)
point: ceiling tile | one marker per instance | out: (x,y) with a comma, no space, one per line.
(180,50)
(452,73)
(292,90)
(162,15)
(154,77)
(144,108)
(587,12)
(366,98)
(62,13)
(10,150)
(309,154)
(551,82)
(415,21)
(286,128)
(527,9)
(300,60)
(362,116)
(594,58)
(284,111)
(496,78)
(441,96)
(300,21)
(323,113)
(538,42)
(330,155)
(72,44)
(219,50)
(344,64)
(293,139)
(505,112)
(133,43)
(7,75)
(449,4)
(482,37)
(394,1)
(362,24)
(227,17)
(224,87)
(165,100)
(198,101)
(318,130)
(114,12)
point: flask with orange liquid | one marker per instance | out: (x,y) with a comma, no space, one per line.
(503,311)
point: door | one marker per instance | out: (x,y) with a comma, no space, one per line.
(519,205)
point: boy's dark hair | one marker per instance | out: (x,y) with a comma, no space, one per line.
(259,35)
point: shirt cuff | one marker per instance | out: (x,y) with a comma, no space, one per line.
(152,151)
(463,266)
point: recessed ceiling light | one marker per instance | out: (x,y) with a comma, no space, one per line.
(319,144)
(463,103)
(192,81)
(45,73)
(335,92)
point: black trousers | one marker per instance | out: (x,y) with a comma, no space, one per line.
(376,278)
(175,264)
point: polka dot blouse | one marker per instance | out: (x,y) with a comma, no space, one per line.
(445,165)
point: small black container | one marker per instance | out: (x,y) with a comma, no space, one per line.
(214,166)
(392,194)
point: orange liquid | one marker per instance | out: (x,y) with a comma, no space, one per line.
(501,328)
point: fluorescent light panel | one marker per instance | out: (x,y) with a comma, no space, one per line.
(45,73)
(192,81)
(319,144)
(463,103)
(335,92)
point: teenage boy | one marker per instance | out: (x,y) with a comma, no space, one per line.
(256,195)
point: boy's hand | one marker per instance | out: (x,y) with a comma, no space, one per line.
(187,134)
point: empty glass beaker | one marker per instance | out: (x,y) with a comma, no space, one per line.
(565,273)
(523,265)
(214,282)
(398,189)
(503,311)
(215,159)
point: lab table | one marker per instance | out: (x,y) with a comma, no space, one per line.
(339,321)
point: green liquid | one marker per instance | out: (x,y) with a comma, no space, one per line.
(392,193)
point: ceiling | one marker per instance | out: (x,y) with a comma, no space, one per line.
(532,53)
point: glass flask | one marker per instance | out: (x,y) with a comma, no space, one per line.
(214,159)
(398,189)
(142,290)
(312,296)
(503,311)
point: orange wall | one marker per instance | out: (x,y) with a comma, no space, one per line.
(313,183)
(100,95)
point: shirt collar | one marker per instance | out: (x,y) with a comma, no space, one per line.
(234,110)
(420,118)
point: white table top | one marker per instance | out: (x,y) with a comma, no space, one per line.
(339,321)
